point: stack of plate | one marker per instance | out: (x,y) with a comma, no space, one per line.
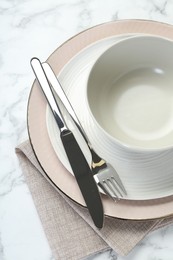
(147,197)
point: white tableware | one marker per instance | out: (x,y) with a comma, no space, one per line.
(130,92)
(130,98)
(49,159)
(141,172)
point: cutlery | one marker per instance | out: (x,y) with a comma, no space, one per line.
(105,175)
(79,165)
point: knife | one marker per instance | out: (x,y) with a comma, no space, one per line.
(77,160)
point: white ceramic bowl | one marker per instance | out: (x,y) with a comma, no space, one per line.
(130,93)
(130,99)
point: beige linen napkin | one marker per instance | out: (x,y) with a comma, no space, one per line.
(68,226)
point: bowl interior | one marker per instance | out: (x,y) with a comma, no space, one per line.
(130,92)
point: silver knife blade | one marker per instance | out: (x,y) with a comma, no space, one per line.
(80,167)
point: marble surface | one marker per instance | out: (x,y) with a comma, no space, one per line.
(35,27)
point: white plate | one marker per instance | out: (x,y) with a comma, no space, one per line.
(73,78)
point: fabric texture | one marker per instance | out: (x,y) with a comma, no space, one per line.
(68,227)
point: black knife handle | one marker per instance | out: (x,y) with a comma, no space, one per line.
(84,177)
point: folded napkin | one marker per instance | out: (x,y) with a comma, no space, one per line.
(69,229)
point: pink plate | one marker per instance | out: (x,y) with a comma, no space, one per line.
(55,172)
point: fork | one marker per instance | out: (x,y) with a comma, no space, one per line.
(104,174)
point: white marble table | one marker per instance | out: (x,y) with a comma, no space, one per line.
(35,27)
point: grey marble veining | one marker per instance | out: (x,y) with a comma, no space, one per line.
(29,28)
